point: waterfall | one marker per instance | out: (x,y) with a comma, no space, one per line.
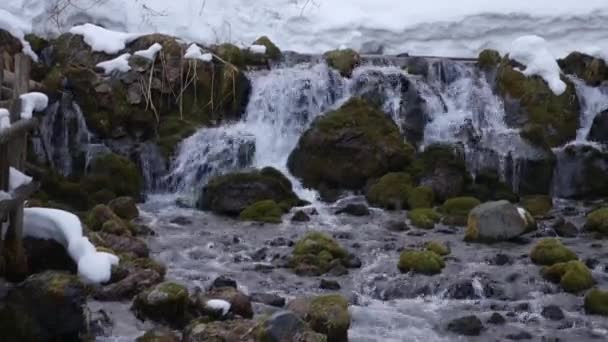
(593,100)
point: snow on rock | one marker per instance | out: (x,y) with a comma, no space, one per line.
(33,102)
(151,52)
(66,229)
(18,29)
(120,63)
(218,305)
(533,52)
(5,118)
(259,49)
(104,40)
(195,52)
(16,179)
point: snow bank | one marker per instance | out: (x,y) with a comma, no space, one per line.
(16,179)
(18,29)
(5,118)
(32,102)
(195,52)
(104,40)
(218,305)
(533,52)
(120,63)
(66,229)
(259,49)
(151,52)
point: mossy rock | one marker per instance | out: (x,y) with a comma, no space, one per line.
(488,59)
(347,147)
(345,61)
(165,303)
(459,206)
(115,173)
(329,315)
(597,221)
(424,218)
(55,187)
(437,247)
(421,197)
(392,191)
(233,193)
(488,186)
(592,70)
(537,205)
(596,302)
(550,120)
(316,253)
(263,211)
(158,335)
(551,251)
(272,51)
(102,218)
(573,276)
(125,207)
(422,262)
(236,330)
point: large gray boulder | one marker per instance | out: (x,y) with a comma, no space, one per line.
(497,221)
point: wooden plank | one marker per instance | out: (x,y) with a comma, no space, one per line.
(17,129)
(1,74)
(22,75)
(4,167)
(18,196)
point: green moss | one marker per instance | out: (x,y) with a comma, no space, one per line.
(166,302)
(315,252)
(131,262)
(232,54)
(459,206)
(488,59)
(537,205)
(102,218)
(590,69)
(437,247)
(596,302)
(115,173)
(329,315)
(343,60)
(437,156)
(421,197)
(551,251)
(272,51)
(391,191)
(423,262)
(72,194)
(424,218)
(597,221)
(263,211)
(573,276)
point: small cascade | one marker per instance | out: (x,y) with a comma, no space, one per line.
(593,100)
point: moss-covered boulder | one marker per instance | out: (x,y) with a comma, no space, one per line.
(591,69)
(573,276)
(488,59)
(424,218)
(597,221)
(114,173)
(287,326)
(165,303)
(421,197)
(47,306)
(272,51)
(347,147)
(437,247)
(442,168)
(326,314)
(422,262)
(102,218)
(237,330)
(263,211)
(316,253)
(232,193)
(596,302)
(497,221)
(487,186)
(459,206)
(548,120)
(537,205)
(392,191)
(125,207)
(551,251)
(158,335)
(345,61)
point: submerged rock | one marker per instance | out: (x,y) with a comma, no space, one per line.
(287,326)
(553,312)
(354,210)
(467,326)
(496,221)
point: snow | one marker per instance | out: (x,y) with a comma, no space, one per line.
(259,49)
(151,52)
(5,118)
(66,229)
(18,28)
(120,63)
(217,305)
(33,102)
(533,52)
(104,40)
(16,179)
(195,52)
(433,27)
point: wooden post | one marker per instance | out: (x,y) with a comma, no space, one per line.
(1,73)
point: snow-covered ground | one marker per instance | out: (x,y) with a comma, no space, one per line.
(432,27)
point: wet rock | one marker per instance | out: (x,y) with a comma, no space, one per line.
(125,207)
(43,255)
(591,69)
(46,306)
(551,251)
(280,242)
(564,228)
(287,326)
(500,260)
(327,315)
(136,281)
(181,221)
(99,323)
(349,146)
(337,271)
(240,304)
(329,285)
(343,61)
(354,210)
(466,326)
(121,244)
(166,303)
(158,335)
(260,254)
(223,281)
(552,312)
(397,226)
(581,172)
(352,261)
(300,216)
(596,302)
(496,221)
(497,319)
(316,253)
(443,170)
(102,218)
(268,299)
(423,262)
(523,335)
(599,129)
(462,290)
(240,330)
